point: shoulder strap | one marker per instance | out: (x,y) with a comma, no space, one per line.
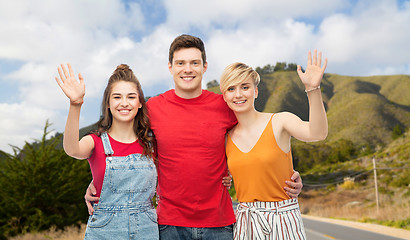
(106,143)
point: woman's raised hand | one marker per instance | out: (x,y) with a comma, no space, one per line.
(313,74)
(73,89)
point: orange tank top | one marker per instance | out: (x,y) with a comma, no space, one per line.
(260,174)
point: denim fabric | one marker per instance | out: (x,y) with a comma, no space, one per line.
(125,210)
(168,232)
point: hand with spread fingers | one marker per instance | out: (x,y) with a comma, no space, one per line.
(73,89)
(313,74)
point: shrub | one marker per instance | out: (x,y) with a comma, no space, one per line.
(348,184)
(40,187)
(397,131)
(401,180)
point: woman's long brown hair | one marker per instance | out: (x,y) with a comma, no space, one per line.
(142,127)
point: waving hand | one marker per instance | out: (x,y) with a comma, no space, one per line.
(73,89)
(312,77)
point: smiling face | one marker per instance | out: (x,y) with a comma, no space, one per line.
(187,69)
(124,102)
(239,86)
(241,97)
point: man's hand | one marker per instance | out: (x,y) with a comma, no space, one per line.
(227,181)
(89,197)
(295,186)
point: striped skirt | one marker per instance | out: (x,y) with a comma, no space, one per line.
(269,220)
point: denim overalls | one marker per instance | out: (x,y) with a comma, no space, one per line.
(125,209)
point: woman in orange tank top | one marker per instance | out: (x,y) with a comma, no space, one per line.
(259,154)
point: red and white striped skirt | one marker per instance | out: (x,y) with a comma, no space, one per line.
(269,220)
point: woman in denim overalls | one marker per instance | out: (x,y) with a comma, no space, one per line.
(120,154)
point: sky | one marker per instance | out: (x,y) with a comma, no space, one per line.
(359,38)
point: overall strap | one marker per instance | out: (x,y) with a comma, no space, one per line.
(106,143)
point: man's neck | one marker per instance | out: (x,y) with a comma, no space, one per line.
(188,94)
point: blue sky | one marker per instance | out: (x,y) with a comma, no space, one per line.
(360,38)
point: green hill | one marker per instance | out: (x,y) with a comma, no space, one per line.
(366,109)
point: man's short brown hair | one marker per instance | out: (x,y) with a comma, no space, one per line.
(187,41)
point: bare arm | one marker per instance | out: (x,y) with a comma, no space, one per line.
(75,91)
(316,128)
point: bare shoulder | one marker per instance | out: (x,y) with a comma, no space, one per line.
(86,146)
(266,115)
(88,139)
(231,132)
(280,117)
(283,116)
(263,119)
(277,120)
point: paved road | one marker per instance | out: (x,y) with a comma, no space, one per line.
(319,230)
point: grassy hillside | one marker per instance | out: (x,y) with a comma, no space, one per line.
(328,193)
(362,110)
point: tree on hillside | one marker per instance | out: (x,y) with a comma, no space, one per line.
(291,67)
(280,66)
(212,83)
(307,155)
(397,131)
(265,70)
(40,186)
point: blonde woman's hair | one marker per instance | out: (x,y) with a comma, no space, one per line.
(237,73)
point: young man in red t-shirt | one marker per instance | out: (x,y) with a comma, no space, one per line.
(190,126)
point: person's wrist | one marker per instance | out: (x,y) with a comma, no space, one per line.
(77,102)
(312,89)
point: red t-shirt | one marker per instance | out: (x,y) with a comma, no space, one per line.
(191,155)
(97,158)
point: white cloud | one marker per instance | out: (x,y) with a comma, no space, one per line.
(56,29)
(231,13)
(56,32)
(373,38)
(389,70)
(24,122)
(258,46)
